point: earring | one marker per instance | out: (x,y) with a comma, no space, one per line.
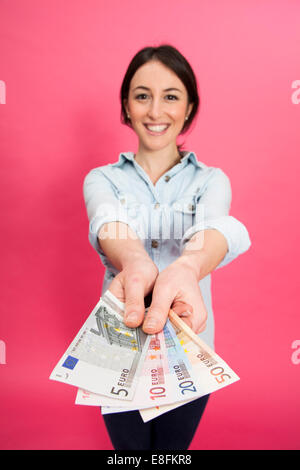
(128,116)
(186,118)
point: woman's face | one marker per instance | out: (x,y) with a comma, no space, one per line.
(158,105)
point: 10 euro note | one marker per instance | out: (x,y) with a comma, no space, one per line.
(105,356)
(211,373)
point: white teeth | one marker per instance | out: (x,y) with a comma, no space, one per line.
(156,128)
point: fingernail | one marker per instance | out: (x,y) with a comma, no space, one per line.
(132,317)
(187,313)
(151,324)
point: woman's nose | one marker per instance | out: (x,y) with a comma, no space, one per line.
(155,108)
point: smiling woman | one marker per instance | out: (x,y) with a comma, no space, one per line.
(159,100)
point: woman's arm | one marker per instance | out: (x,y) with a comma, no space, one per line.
(213,218)
(121,245)
(204,252)
(137,271)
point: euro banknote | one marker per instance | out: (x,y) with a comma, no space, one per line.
(211,371)
(105,356)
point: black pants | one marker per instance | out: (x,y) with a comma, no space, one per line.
(173,430)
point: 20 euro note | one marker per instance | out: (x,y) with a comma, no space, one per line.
(105,357)
(212,372)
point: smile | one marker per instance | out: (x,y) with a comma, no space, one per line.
(158,129)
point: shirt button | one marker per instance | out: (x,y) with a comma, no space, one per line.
(167,178)
(191,207)
(154,243)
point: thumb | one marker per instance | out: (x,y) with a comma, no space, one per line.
(159,309)
(134,301)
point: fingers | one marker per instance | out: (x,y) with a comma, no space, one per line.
(201,329)
(196,317)
(134,304)
(200,312)
(182,309)
(192,322)
(188,321)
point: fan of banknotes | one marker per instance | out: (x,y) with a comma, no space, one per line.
(124,369)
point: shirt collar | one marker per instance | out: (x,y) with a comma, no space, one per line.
(188,157)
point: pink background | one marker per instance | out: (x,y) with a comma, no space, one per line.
(63,63)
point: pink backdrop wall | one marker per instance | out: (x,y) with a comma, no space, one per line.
(61,66)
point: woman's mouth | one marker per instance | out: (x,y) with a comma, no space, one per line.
(157,129)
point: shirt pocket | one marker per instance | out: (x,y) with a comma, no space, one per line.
(136,213)
(129,203)
(184,211)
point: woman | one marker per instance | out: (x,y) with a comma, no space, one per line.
(159,220)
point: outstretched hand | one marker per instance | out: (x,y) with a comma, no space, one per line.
(175,287)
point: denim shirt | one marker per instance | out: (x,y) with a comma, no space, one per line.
(186,199)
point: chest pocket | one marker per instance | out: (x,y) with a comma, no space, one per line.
(129,202)
(184,212)
(185,205)
(137,212)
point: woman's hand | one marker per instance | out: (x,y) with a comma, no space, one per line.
(137,280)
(176,287)
(132,284)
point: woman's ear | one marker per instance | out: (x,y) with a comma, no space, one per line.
(189,110)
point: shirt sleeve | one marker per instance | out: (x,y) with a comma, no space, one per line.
(103,204)
(212,212)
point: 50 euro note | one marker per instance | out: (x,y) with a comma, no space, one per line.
(211,371)
(105,356)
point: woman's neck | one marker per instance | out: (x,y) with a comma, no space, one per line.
(157,162)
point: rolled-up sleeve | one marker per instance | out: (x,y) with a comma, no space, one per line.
(212,212)
(103,205)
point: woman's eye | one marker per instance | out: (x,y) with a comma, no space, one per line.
(172,98)
(141,96)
